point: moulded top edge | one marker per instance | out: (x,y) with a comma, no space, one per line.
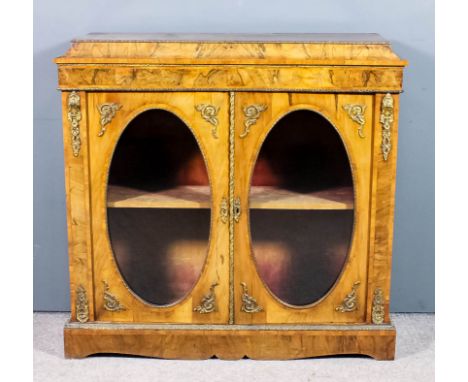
(291,38)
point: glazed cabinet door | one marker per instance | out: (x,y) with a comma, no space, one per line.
(302,188)
(159,188)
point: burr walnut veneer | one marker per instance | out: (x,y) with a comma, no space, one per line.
(230,195)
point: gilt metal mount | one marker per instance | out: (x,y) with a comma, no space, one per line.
(237,209)
(378,310)
(350,302)
(224,211)
(82,308)
(107,112)
(208,302)
(249,304)
(210,114)
(251,113)
(74,116)
(111,303)
(356,113)
(386,119)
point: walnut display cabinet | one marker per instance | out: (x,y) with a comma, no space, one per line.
(230,195)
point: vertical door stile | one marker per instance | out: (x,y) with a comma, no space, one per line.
(231,205)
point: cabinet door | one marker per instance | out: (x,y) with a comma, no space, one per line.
(302,184)
(159,165)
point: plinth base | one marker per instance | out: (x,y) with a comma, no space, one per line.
(229,342)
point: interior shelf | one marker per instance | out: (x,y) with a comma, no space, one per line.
(273,198)
(261,197)
(177,197)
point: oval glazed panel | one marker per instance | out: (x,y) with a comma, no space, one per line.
(301,208)
(158,207)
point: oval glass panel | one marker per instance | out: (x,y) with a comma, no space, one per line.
(158,207)
(301,208)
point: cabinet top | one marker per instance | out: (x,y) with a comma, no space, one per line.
(294,38)
(276,48)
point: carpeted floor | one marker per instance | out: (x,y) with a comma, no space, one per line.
(414,361)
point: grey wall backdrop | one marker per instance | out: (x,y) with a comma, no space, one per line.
(408,24)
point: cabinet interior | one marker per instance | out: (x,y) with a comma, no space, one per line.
(158,199)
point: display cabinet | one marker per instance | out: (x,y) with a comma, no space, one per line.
(230,195)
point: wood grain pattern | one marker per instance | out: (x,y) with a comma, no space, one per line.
(230,345)
(200,65)
(382,209)
(232,77)
(302,51)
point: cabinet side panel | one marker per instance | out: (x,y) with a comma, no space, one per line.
(78,207)
(382,212)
